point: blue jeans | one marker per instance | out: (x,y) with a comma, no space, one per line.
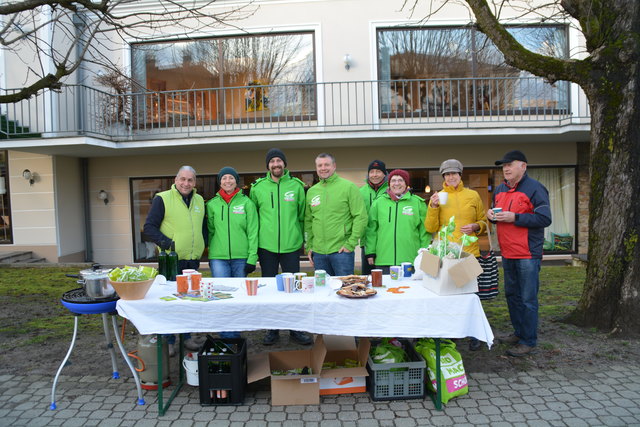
(521,284)
(335,264)
(227,267)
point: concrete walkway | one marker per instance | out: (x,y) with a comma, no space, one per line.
(592,396)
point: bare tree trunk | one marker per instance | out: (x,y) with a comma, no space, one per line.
(611,295)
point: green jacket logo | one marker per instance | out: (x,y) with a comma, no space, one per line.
(315,201)
(407,210)
(289,196)
(238,209)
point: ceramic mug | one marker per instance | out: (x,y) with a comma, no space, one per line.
(307,284)
(288,283)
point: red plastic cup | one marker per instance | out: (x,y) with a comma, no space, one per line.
(196,278)
(183,283)
(252,287)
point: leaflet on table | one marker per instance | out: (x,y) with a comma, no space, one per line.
(197,297)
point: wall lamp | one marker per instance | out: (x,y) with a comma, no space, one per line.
(29,176)
(102,195)
(427,189)
(347,62)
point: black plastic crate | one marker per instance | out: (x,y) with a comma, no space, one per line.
(397,381)
(222,377)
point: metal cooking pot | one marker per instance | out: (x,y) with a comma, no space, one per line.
(95,282)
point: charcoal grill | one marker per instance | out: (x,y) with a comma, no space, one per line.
(79,303)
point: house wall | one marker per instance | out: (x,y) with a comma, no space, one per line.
(33,206)
(111,224)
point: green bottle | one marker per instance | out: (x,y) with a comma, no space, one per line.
(172,263)
(162,262)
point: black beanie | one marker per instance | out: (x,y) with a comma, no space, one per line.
(228,170)
(378,164)
(276,152)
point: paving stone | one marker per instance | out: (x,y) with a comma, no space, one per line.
(348,416)
(407,422)
(369,422)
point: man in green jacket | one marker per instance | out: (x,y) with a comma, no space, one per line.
(335,219)
(375,185)
(279,199)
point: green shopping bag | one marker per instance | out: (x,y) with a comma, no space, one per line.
(452,375)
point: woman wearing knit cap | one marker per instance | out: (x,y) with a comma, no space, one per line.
(462,203)
(396,224)
(232,222)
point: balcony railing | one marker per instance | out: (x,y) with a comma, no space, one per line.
(296,108)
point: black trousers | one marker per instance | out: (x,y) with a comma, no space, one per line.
(269,262)
(188,264)
(366,268)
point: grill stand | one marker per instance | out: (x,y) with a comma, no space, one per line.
(107,335)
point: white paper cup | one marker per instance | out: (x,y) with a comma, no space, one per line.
(443,196)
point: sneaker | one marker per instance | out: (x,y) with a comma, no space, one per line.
(521,350)
(300,337)
(271,337)
(474,344)
(508,339)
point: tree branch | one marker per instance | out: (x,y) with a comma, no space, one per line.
(516,55)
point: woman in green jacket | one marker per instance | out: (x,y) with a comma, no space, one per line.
(232,222)
(396,225)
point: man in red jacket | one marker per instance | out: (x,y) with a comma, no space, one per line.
(521,210)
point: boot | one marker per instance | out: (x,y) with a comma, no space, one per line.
(300,337)
(271,337)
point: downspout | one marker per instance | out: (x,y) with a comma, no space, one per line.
(88,243)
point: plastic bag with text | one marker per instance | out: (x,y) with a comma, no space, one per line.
(452,375)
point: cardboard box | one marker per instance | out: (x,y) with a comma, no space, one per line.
(289,389)
(450,276)
(343,380)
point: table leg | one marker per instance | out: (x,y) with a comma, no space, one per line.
(64,362)
(162,407)
(438,402)
(112,353)
(437,398)
(136,378)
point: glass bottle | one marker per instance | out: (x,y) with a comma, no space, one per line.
(162,262)
(172,263)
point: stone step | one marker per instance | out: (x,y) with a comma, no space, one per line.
(18,257)
(33,260)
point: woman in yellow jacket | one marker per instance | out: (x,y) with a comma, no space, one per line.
(462,203)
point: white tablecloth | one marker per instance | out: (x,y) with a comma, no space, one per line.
(415,313)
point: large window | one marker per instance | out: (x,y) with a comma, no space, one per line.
(457,70)
(241,78)
(6,235)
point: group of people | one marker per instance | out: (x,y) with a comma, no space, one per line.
(390,223)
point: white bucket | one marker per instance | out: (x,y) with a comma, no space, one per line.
(191,368)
